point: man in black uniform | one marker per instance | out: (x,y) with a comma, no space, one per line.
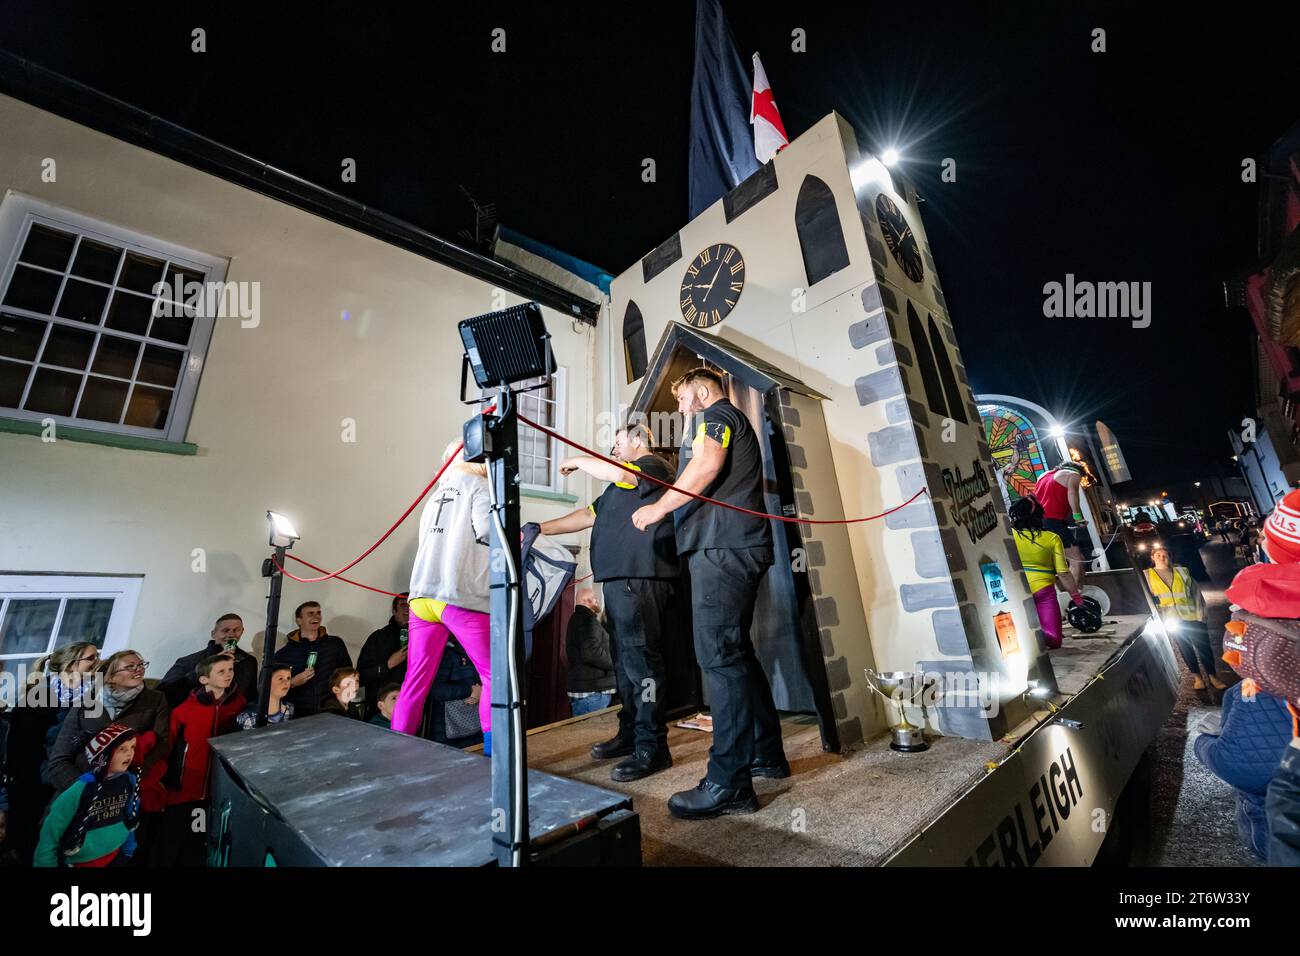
(637,574)
(727,553)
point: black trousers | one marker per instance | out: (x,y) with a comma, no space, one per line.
(637,609)
(1193,640)
(724,587)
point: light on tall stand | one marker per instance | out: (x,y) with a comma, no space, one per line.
(282,536)
(504,348)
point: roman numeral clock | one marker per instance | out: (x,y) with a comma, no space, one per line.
(712,285)
(899,237)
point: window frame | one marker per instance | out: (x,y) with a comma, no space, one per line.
(18,212)
(560,379)
(124,589)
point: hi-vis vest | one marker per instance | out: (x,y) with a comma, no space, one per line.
(1178,596)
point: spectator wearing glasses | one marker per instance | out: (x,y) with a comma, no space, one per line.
(124,699)
(55,688)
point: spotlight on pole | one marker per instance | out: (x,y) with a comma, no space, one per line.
(1056,431)
(890,157)
(505,348)
(283,533)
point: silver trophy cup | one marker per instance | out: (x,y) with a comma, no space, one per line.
(898,688)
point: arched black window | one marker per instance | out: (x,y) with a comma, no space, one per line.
(925,362)
(955,407)
(817,222)
(634,357)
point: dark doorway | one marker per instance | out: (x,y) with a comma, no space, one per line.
(785,635)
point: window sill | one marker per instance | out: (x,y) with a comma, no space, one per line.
(549,495)
(90,436)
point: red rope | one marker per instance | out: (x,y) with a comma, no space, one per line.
(714,501)
(294,577)
(384,537)
(328,575)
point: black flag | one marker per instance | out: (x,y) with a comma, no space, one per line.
(722,144)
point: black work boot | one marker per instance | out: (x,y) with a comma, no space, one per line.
(641,764)
(709,800)
(777,769)
(617,746)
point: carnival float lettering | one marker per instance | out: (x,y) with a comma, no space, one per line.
(978,520)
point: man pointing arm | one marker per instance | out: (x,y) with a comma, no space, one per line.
(638,574)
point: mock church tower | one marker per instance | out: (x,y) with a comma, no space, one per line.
(815,275)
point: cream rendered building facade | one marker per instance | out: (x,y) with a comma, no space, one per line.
(334,408)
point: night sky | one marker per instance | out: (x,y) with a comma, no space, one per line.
(1120,166)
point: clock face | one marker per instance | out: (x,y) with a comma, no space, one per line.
(712,285)
(899,237)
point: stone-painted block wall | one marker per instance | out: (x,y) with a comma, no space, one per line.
(841,624)
(962,618)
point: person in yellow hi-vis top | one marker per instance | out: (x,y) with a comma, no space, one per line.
(1042,557)
(1183,608)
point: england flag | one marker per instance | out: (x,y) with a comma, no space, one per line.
(769,132)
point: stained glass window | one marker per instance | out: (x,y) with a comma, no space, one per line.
(1011,436)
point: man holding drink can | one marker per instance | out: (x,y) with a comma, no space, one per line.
(181,677)
(313,656)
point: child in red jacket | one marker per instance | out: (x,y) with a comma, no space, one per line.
(210,711)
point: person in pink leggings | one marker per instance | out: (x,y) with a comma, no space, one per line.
(449,591)
(1042,555)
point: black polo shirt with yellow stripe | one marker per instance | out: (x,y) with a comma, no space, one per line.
(618,549)
(701,524)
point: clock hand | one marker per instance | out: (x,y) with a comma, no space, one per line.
(715,279)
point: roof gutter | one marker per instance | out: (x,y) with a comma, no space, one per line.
(55,93)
